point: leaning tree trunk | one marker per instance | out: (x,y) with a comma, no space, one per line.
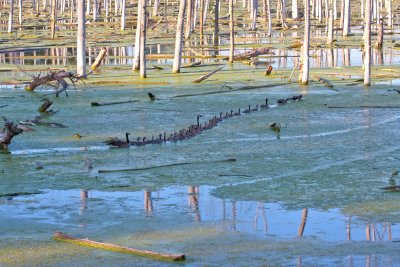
(346,20)
(136,59)
(11,17)
(176,68)
(367,44)
(232,32)
(53,18)
(142,56)
(306,43)
(80,50)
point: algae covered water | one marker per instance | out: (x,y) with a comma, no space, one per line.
(308,196)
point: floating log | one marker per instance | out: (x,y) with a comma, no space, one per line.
(166,165)
(99,58)
(59,236)
(45,105)
(96,104)
(202,78)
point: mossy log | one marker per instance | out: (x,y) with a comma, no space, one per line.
(144,253)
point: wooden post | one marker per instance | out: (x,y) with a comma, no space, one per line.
(232,32)
(306,43)
(346,19)
(53,18)
(80,44)
(136,59)
(216,22)
(176,68)
(367,44)
(143,30)
(330,28)
(11,17)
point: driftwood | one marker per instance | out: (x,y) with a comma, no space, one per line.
(325,82)
(45,105)
(202,78)
(250,54)
(9,131)
(167,165)
(99,59)
(144,253)
(53,78)
(96,104)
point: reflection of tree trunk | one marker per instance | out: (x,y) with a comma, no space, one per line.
(261,208)
(148,203)
(367,232)
(303,223)
(348,229)
(194,202)
(234,211)
(84,196)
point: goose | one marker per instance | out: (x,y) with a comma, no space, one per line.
(266,104)
(151,96)
(118,142)
(281,101)
(237,113)
(275,126)
(247,110)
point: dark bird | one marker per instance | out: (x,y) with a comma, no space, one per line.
(275,126)
(281,101)
(151,96)
(266,104)
(247,110)
(118,142)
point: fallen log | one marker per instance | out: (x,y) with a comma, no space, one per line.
(97,104)
(202,78)
(325,82)
(166,165)
(54,76)
(59,236)
(250,54)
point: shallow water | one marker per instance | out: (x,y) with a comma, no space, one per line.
(330,161)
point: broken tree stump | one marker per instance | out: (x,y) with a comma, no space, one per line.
(99,58)
(10,130)
(144,253)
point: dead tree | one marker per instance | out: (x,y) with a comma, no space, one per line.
(306,44)
(367,44)
(136,59)
(9,131)
(81,51)
(53,18)
(232,32)
(142,55)
(11,17)
(176,68)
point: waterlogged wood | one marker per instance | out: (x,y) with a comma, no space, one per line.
(166,165)
(204,77)
(99,58)
(97,104)
(59,236)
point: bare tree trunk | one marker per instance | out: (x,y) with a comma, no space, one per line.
(362,2)
(379,40)
(254,8)
(87,7)
(346,21)
(123,17)
(106,7)
(71,11)
(206,6)
(189,18)
(20,12)
(232,32)
(155,8)
(295,13)
(334,10)
(216,22)
(306,43)
(269,18)
(11,17)
(143,30)
(330,28)
(80,43)
(389,14)
(53,18)
(176,68)
(342,14)
(136,59)
(95,10)
(367,44)
(201,20)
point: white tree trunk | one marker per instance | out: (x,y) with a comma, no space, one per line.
(155,8)
(87,7)
(11,17)
(367,44)
(232,32)
(306,44)
(269,18)
(330,28)
(176,68)
(295,13)
(95,10)
(142,56)
(136,59)
(346,21)
(80,42)
(389,14)
(20,12)
(123,16)
(53,18)
(254,8)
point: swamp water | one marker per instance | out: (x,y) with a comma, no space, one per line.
(330,161)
